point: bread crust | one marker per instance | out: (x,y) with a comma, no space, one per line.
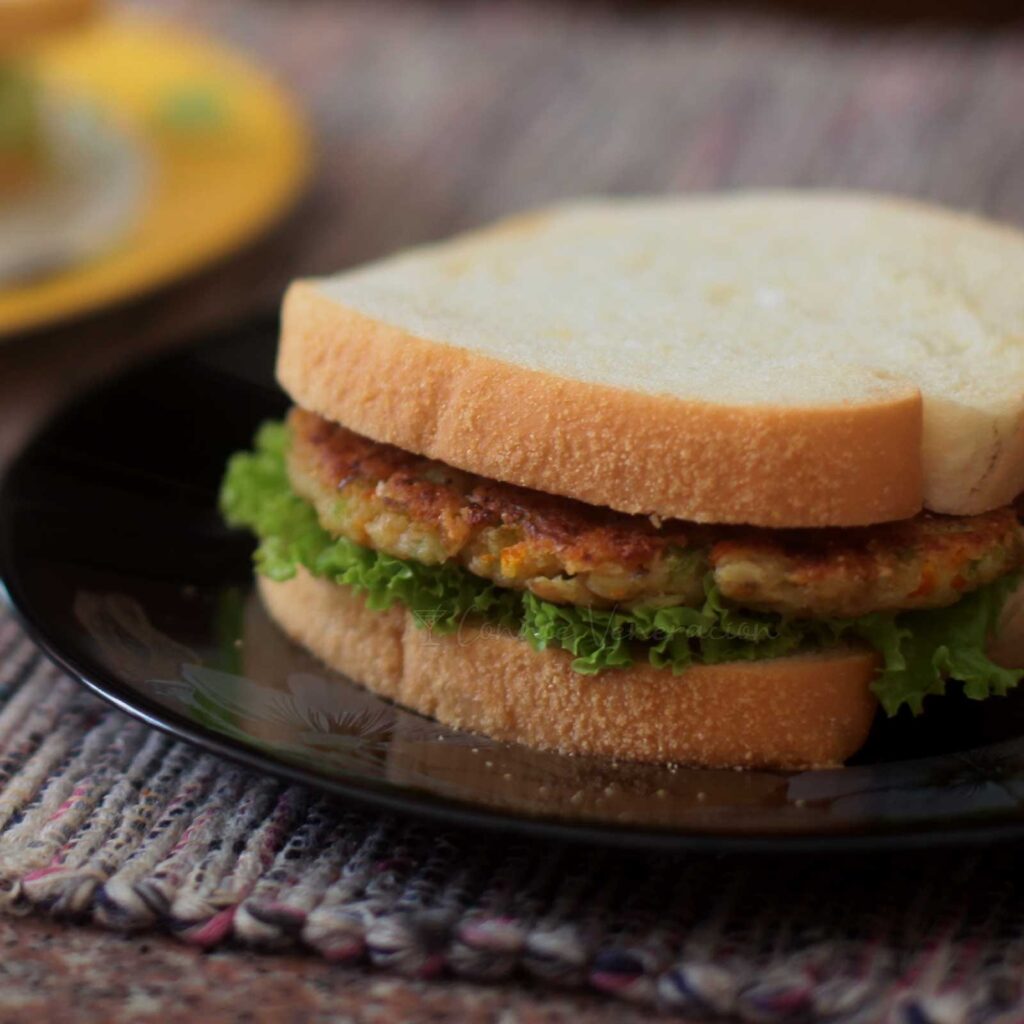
(834,465)
(796,712)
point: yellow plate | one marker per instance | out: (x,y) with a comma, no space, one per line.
(228,149)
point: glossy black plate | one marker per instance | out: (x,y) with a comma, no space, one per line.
(112,551)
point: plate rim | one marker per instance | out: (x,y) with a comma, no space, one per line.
(409,800)
(455,813)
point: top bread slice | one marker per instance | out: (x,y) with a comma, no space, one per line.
(781,359)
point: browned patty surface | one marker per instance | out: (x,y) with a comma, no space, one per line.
(566,551)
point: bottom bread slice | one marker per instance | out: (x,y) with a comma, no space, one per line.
(795,712)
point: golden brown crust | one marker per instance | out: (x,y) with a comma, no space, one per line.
(838,465)
(929,561)
(405,505)
(454,503)
(789,712)
(391,500)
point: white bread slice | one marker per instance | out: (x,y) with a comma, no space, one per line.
(796,712)
(784,359)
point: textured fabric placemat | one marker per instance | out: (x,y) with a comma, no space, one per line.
(431,117)
(102,818)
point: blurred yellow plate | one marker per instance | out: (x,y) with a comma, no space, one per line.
(228,153)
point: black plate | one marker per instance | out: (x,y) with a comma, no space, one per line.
(113,553)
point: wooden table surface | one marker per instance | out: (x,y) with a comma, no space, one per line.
(432,117)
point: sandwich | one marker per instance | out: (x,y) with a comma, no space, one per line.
(21,129)
(24,147)
(711,480)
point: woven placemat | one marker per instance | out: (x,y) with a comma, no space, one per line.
(102,818)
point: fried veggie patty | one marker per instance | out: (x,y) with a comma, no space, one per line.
(571,553)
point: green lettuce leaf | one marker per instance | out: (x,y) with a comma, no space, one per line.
(920,650)
(256,494)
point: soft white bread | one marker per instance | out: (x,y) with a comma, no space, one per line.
(810,710)
(786,359)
